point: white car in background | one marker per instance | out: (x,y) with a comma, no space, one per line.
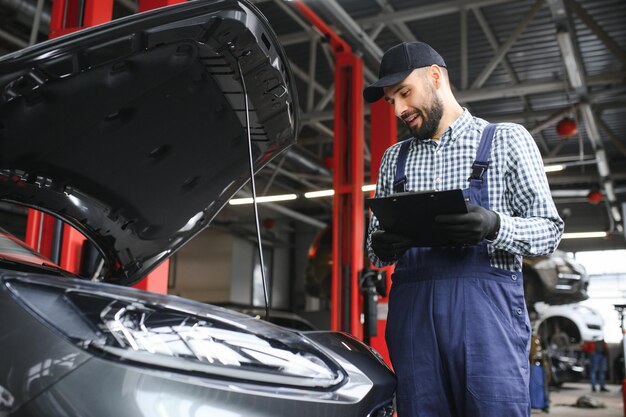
(568,324)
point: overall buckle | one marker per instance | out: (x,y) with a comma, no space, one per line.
(478,170)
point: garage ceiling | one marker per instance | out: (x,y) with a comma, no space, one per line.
(533,62)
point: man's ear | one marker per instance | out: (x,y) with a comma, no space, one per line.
(436,74)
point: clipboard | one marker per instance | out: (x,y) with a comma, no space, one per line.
(412,214)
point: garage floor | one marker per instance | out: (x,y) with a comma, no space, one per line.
(562,399)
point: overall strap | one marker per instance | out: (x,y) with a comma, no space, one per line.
(399,182)
(481,163)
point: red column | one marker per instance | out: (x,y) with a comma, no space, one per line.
(145,5)
(348,220)
(40,232)
(71,15)
(384,132)
(156,281)
(71,249)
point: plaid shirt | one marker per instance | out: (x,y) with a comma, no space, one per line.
(518,189)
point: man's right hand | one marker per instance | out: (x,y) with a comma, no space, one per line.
(389,247)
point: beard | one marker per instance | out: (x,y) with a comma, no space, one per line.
(431,118)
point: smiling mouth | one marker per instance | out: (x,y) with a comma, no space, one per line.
(411,118)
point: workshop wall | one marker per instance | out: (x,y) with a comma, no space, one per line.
(202,268)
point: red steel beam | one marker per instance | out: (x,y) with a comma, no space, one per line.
(348,222)
(40,232)
(145,5)
(68,16)
(348,177)
(336,42)
(384,133)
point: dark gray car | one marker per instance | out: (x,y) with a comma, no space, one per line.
(555,279)
(135,132)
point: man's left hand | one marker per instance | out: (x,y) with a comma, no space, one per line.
(469,228)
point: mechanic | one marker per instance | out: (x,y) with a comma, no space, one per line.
(597,350)
(458,331)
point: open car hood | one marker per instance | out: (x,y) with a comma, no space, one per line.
(134,132)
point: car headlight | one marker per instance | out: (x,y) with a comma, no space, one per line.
(133,326)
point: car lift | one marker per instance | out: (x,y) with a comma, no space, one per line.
(348,175)
(348,147)
(383,134)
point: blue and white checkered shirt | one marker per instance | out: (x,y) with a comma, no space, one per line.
(518,189)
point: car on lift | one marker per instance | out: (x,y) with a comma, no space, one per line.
(136,133)
(567,325)
(555,279)
(562,329)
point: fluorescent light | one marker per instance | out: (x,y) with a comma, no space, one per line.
(553,168)
(328,193)
(584,235)
(264,199)
(322,193)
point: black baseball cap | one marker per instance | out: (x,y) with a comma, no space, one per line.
(398,62)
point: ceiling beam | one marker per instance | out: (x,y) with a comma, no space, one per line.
(495,45)
(597,30)
(506,46)
(36,22)
(434,9)
(405,15)
(617,142)
(464,50)
(310,91)
(523,88)
(400,29)
(582,178)
(566,38)
(351,31)
(534,87)
(13,40)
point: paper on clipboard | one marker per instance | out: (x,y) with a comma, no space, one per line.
(412,214)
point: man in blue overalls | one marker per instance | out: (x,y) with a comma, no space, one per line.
(458,331)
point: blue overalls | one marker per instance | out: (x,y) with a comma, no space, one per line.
(458,332)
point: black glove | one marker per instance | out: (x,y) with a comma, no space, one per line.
(389,247)
(468,228)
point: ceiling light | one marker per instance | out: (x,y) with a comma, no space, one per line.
(328,193)
(264,199)
(584,235)
(322,193)
(553,168)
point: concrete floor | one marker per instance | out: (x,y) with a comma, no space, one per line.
(562,398)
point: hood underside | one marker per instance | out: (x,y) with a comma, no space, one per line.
(134,132)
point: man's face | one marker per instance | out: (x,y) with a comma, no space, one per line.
(416,103)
